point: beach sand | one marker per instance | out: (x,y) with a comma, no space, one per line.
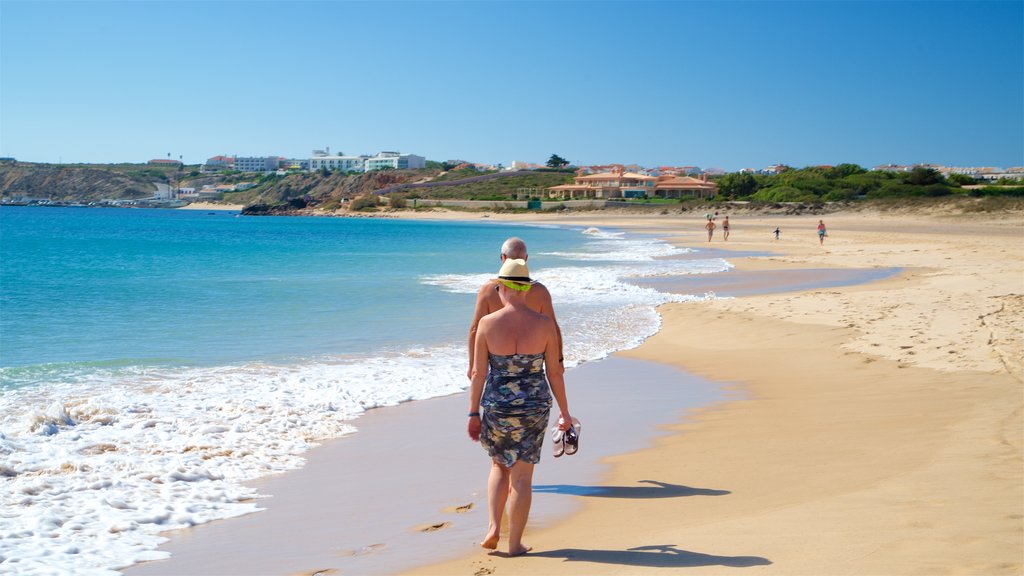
(883,429)
(869,429)
(212,206)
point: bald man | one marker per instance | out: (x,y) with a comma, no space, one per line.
(487,300)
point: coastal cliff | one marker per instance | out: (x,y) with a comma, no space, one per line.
(268,193)
(78,182)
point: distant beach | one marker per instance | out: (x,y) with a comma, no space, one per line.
(212,206)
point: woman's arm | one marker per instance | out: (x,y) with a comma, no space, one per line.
(555,371)
(477,377)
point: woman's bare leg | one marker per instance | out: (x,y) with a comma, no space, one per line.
(497,495)
(520,498)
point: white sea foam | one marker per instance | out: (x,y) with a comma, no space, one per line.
(604,245)
(96,464)
(94,470)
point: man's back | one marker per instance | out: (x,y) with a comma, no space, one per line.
(538,299)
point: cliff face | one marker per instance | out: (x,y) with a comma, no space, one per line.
(320,188)
(72,183)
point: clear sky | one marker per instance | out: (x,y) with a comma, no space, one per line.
(710,84)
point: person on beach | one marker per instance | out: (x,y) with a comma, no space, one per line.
(777,233)
(821,232)
(510,399)
(487,301)
(725,228)
(710,226)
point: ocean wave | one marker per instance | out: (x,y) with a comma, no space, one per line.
(97,468)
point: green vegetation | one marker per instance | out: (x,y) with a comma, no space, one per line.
(365,202)
(1009,191)
(461,173)
(504,188)
(847,182)
(557,161)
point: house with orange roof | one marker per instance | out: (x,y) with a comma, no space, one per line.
(673,186)
(618,183)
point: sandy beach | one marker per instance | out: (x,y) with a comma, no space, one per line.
(212,206)
(883,429)
(873,428)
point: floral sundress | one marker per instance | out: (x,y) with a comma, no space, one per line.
(515,407)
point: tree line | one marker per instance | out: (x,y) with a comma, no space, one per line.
(851,182)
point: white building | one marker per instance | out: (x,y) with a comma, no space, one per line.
(218,163)
(257,164)
(339,162)
(395,160)
(321,160)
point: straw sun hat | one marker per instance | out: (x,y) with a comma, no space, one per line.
(514,270)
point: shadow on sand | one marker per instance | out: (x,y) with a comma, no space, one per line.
(663,556)
(657,490)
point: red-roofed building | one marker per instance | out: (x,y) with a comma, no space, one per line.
(618,183)
(218,163)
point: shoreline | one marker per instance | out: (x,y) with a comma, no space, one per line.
(307,523)
(884,443)
(212,206)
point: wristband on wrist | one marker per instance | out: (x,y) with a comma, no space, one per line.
(472,414)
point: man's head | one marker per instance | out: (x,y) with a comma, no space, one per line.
(514,248)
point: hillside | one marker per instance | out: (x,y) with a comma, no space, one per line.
(79,182)
(94,182)
(322,188)
(331,190)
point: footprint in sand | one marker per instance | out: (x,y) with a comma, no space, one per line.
(363,551)
(434,527)
(458,509)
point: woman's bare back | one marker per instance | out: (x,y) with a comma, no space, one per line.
(517,331)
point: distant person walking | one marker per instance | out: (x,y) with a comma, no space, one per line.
(777,232)
(710,226)
(821,232)
(725,228)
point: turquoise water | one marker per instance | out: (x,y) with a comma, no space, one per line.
(125,287)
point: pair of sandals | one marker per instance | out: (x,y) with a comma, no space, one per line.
(566,441)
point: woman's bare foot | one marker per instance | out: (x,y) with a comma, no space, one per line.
(519,551)
(491,542)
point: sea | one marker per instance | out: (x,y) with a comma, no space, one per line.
(154,361)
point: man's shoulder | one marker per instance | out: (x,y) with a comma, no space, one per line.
(540,288)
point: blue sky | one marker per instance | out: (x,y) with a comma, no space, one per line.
(722,84)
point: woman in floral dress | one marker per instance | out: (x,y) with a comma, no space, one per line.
(510,401)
